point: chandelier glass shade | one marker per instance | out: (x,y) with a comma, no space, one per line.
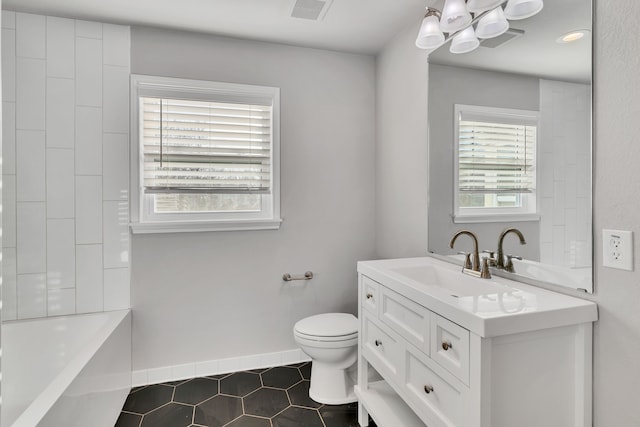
(522,9)
(455,16)
(465,41)
(478,6)
(430,36)
(492,24)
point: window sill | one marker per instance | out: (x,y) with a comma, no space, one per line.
(203,226)
(474,219)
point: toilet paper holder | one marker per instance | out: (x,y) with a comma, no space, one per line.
(308,275)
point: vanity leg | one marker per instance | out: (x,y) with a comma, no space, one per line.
(363,416)
(363,383)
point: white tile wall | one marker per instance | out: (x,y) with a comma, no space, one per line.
(116,234)
(30,93)
(32,295)
(60,111)
(32,237)
(116,92)
(9,211)
(30,166)
(65,167)
(565,232)
(9,285)
(9,138)
(88,209)
(60,183)
(8,19)
(61,44)
(8,64)
(114,37)
(61,302)
(61,254)
(116,288)
(89,29)
(89,72)
(88,141)
(89,278)
(115,166)
(30,36)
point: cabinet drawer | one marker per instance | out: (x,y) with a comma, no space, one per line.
(382,349)
(369,297)
(407,318)
(439,400)
(450,347)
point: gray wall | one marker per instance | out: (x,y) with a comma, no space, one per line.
(401,149)
(455,85)
(616,205)
(208,296)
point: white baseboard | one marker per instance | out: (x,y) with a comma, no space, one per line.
(214,367)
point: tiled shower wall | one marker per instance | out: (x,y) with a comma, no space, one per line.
(65,166)
(565,187)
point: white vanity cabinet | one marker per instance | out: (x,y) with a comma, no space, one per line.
(473,353)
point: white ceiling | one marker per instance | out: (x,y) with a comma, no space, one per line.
(362,26)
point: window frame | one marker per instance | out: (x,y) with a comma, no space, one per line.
(530,203)
(143,218)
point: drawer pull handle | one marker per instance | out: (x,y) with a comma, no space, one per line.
(446,345)
(428,389)
(369,296)
(378,343)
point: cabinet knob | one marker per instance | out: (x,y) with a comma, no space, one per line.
(369,296)
(428,389)
(378,343)
(446,345)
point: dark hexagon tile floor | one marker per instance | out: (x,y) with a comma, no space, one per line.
(273,397)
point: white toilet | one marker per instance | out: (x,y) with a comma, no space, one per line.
(331,340)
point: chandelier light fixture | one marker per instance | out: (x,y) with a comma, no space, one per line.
(458,18)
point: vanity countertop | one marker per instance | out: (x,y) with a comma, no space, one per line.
(486,307)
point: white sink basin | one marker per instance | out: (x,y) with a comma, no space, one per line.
(488,307)
(453,282)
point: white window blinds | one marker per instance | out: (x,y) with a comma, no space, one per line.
(193,146)
(496,155)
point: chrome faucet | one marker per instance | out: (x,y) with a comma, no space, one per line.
(500,255)
(476,257)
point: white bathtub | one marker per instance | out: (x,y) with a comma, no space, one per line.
(66,371)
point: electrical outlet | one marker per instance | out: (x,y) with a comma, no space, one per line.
(617,249)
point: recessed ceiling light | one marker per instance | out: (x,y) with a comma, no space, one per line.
(572,36)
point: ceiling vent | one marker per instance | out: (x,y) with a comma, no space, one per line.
(311,9)
(510,34)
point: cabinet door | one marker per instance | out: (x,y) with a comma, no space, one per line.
(438,398)
(383,349)
(407,318)
(450,347)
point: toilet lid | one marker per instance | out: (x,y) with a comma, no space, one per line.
(328,325)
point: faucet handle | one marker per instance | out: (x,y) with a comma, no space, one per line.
(492,257)
(485,273)
(467,259)
(509,267)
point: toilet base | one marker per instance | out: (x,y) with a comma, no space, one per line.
(330,385)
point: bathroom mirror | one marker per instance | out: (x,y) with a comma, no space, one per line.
(530,69)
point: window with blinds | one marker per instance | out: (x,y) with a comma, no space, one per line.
(207,151)
(496,160)
(205,147)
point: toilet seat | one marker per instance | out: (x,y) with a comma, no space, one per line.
(328,327)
